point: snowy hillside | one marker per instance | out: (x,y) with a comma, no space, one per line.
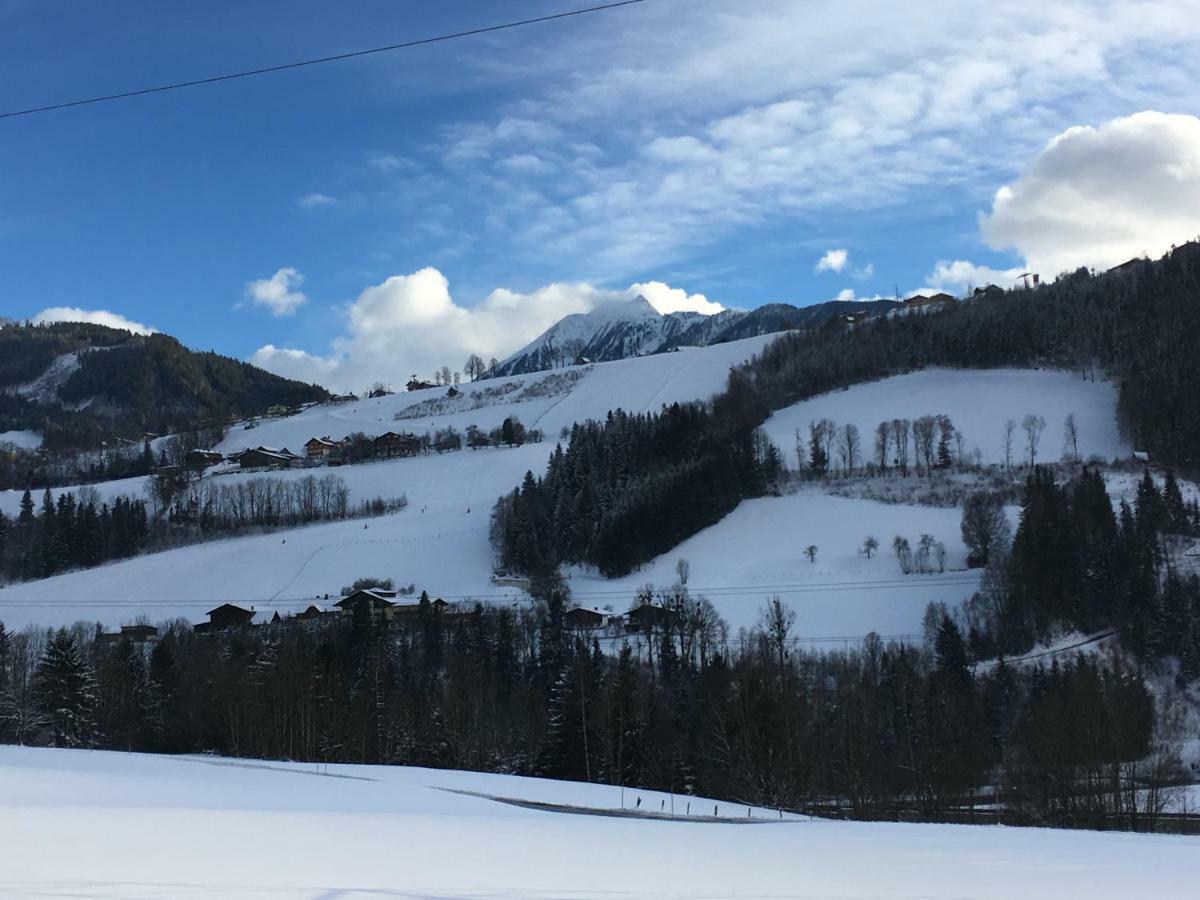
(978,401)
(440,542)
(116,825)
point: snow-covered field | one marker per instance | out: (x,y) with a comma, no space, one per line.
(978,401)
(113,825)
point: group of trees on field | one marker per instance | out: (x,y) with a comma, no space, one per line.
(634,486)
(78,531)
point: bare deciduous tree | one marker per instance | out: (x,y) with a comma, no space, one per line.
(1009,427)
(850,448)
(1071,438)
(925,438)
(870,545)
(1033,426)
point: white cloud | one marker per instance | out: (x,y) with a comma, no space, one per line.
(758,113)
(833,261)
(316,201)
(667,299)
(1097,196)
(960,276)
(278,294)
(411,323)
(845,295)
(93,316)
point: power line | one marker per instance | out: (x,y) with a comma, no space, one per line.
(337,57)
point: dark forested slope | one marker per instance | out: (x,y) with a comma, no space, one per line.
(121,384)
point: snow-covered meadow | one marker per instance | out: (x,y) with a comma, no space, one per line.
(99,824)
(978,401)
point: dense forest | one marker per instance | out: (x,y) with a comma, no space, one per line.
(882,730)
(127,384)
(634,486)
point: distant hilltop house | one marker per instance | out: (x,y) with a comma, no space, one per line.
(230,615)
(320,447)
(264,458)
(921,304)
(135,634)
(416,384)
(387,604)
(343,398)
(583,619)
(390,444)
(989,292)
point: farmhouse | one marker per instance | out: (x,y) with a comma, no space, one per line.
(415,384)
(135,634)
(934,303)
(319,447)
(391,444)
(583,619)
(227,615)
(264,458)
(646,617)
(199,460)
(374,601)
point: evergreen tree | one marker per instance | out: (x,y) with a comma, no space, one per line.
(66,692)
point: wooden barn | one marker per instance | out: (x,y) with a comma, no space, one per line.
(583,619)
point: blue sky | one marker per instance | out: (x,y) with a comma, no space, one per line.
(367,219)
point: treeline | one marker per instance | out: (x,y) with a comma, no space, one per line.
(879,729)
(1138,325)
(1077,565)
(629,488)
(78,531)
(70,533)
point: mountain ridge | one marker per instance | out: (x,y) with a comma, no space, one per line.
(635,328)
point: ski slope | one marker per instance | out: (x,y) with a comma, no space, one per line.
(978,401)
(114,825)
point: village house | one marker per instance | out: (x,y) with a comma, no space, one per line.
(264,458)
(416,384)
(373,601)
(583,619)
(919,304)
(199,460)
(391,444)
(645,617)
(135,634)
(227,615)
(319,447)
